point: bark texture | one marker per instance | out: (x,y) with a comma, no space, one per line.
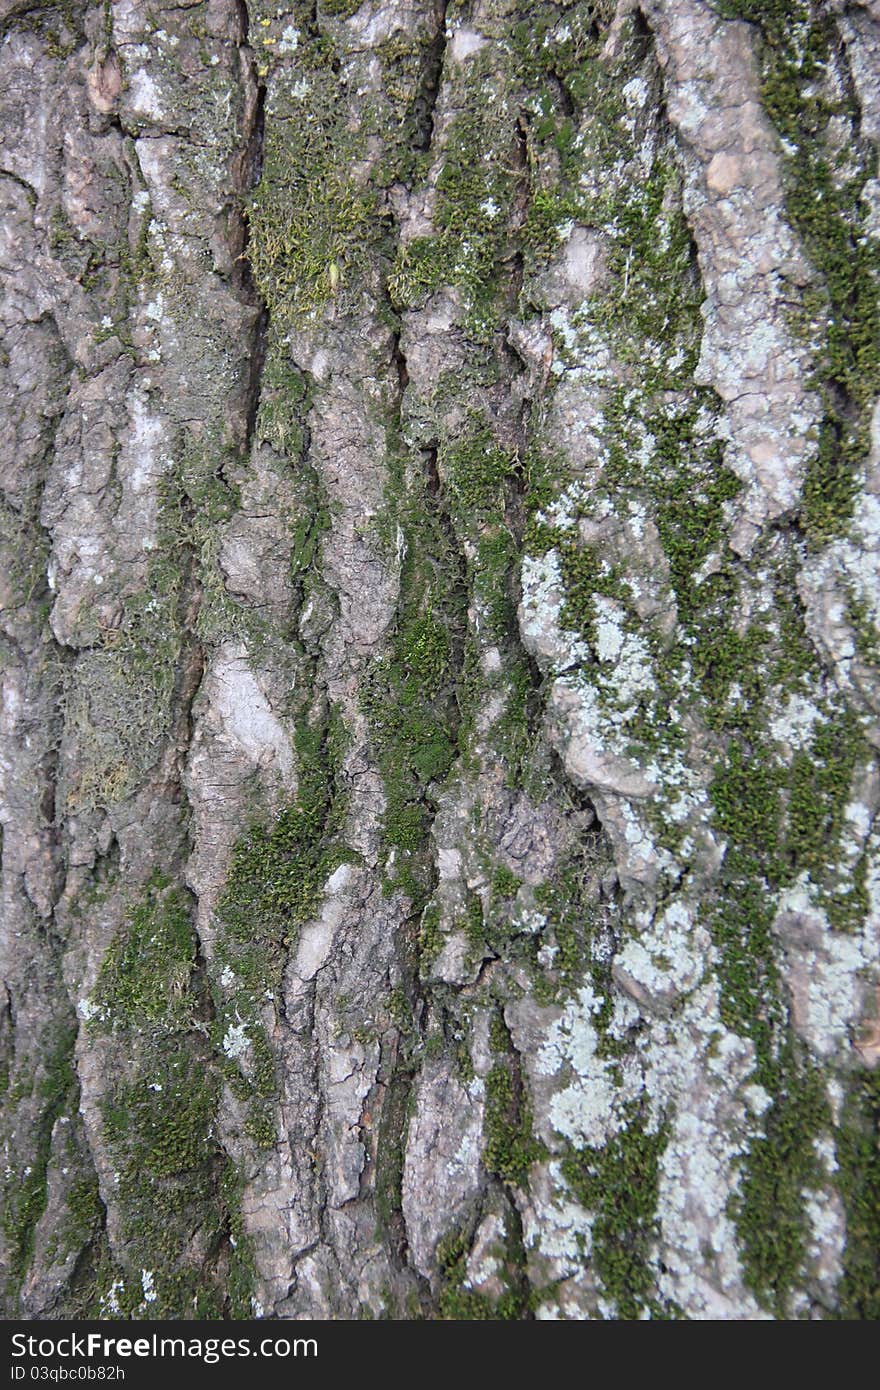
(440,572)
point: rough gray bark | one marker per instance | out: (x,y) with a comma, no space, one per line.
(440,537)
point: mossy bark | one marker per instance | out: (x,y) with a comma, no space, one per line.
(440,598)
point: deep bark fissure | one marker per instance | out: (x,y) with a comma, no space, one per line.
(423,107)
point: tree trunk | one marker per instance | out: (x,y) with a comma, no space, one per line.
(440,572)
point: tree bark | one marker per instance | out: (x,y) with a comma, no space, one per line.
(440,539)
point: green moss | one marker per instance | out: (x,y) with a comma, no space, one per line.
(417,273)
(578,925)
(25,556)
(83,1214)
(505,884)
(586,573)
(549,213)
(474,924)
(241,1276)
(471,506)
(464,1062)
(572,103)
(516,730)
(164,1125)
(788,818)
(390,1149)
(278,871)
(285,396)
(159,1111)
(430,936)
(260,1124)
(82,258)
(782,1164)
(158,1122)
(340,9)
(726,658)
(619,1184)
(477,470)
(782,821)
(864,628)
(690,520)
(118,710)
(826,206)
(410,696)
(58,27)
(741,925)
(458,1303)
(831,482)
(54,1090)
(275,883)
(144,977)
(821,781)
(746,795)
(741,646)
(264,891)
(511,1147)
(858,1156)
(493,589)
(475,185)
(312,227)
(400,1009)
(656,291)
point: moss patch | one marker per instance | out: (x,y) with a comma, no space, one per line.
(781,1166)
(145,976)
(275,883)
(159,1116)
(858,1154)
(458,1303)
(511,1147)
(826,173)
(411,695)
(619,1183)
(52,1091)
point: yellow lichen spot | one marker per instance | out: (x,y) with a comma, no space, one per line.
(333,276)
